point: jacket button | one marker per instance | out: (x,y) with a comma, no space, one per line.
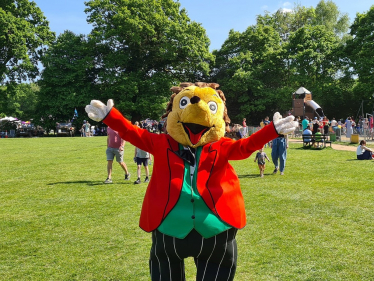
(192,200)
(193,217)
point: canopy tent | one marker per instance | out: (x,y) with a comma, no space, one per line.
(10,119)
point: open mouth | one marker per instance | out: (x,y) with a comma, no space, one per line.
(195,131)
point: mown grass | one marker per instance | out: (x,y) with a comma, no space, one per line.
(58,221)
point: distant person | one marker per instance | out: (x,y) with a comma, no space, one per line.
(262,124)
(305,122)
(325,124)
(87,129)
(141,157)
(279,148)
(245,128)
(266,121)
(348,126)
(334,124)
(307,132)
(317,137)
(261,157)
(159,126)
(315,124)
(115,147)
(363,152)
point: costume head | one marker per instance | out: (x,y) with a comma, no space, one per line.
(197,114)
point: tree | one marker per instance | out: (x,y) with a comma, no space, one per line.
(251,71)
(359,52)
(19,100)
(67,81)
(24,34)
(145,47)
(328,14)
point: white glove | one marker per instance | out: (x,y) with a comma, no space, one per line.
(97,111)
(284,126)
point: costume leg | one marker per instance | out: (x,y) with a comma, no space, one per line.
(217,258)
(164,262)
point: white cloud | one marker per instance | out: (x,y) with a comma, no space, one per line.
(287,4)
(285,10)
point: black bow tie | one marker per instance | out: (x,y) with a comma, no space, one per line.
(187,155)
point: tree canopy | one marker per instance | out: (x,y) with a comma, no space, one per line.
(67,81)
(138,49)
(145,46)
(24,35)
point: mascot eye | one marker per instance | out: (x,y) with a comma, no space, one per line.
(184,102)
(213,107)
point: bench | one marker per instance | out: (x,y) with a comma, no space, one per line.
(310,140)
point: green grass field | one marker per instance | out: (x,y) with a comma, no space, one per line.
(58,221)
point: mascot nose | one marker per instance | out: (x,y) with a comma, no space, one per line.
(195,99)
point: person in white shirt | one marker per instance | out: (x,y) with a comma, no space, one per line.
(363,152)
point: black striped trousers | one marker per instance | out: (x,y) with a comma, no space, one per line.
(215,257)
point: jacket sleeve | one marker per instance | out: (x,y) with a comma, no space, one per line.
(138,137)
(243,148)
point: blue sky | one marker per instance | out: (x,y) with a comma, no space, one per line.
(216,16)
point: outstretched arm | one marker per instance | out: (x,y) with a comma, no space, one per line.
(141,138)
(242,148)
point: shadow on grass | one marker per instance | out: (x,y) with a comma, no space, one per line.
(311,148)
(89,183)
(252,176)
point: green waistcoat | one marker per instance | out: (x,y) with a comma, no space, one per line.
(191,211)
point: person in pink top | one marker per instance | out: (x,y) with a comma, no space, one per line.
(115,146)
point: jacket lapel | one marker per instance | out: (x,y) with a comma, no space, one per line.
(208,158)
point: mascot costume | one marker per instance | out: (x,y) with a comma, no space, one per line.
(193,204)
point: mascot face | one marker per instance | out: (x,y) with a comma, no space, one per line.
(196,117)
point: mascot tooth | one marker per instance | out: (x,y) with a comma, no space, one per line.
(193,205)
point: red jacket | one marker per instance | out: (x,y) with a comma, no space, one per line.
(217,182)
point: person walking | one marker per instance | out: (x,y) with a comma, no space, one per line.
(279,148)
(141,157)
(115,147)
(261,157)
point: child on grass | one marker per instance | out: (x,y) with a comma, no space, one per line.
(260,157)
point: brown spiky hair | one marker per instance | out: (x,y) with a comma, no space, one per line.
(177,90)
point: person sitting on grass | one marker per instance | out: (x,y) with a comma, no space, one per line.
(363,152)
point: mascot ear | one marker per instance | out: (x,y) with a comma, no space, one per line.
(176,90)
(213,86)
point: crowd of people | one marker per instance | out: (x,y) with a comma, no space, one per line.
(364,126)
(312,127)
